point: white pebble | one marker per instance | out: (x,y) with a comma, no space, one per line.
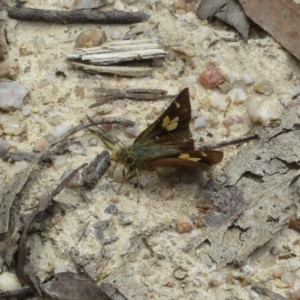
(296,91)
(248,270)
(264,110)
(60,129)
(116,34)
(288,278)
(230,77)
(238,96)
(14,127)
(218,101)
(278,271)
(254,295)
(86,4)
(60,162)
(119,5)
(133,131)
(91,113)
(292,264)
(104,109)
(26,110)
(12,94)
(247,79)
(187,81)
(9,281)
(200,122)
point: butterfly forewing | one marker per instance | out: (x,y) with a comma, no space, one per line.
(172,127)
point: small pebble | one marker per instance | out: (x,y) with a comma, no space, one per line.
(9,282)
(4,147)
(79,92)
(188,81)
(91,113)
(116,34)
(60,129)
(92,37)
(87,4)
(274,251)
(40,144)
(133,131)
(60,161)
(166,193)
(211,77)
(119,5)
(218,101)
(288,277)
(225,87)
(296,91)
(104,109)
(247,79)
(292,264)
(180,4)
(171,55)
(248,270)
(186,50)
(13,124)
(180,273)
(231,77)
(264,110)
(200,122)
(264,87)
(238,96)
(12,94)
(278,271)
(27,48)
(184,224)
(74,182)
(9,69)
(26,110)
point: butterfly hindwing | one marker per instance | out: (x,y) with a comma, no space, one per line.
(195,158)
(172,127)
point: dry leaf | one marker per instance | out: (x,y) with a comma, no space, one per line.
(280,18)
(229,11)
(253,194)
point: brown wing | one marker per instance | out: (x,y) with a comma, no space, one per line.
(172,127)
(189,158)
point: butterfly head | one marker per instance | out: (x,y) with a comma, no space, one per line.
(124,155)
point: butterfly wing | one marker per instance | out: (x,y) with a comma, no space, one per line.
(172,127)
(195,158)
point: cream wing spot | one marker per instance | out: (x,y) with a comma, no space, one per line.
(173,124)
(165,122)
(187,156)
(170,124)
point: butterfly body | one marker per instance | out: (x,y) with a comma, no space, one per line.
(167,142)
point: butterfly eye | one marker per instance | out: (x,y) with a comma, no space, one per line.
(129,160)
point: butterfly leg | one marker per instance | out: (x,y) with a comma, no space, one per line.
(138,185)
(124,178)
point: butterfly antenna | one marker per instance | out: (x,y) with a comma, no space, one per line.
(106,140)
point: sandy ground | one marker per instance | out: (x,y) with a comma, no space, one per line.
(162,203)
